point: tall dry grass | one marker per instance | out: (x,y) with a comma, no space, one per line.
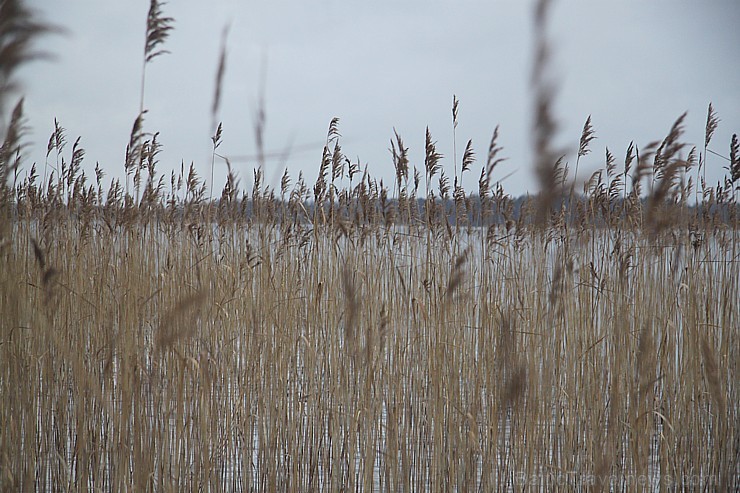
(147,359)
(340,336)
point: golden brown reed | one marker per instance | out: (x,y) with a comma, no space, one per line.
(356,338)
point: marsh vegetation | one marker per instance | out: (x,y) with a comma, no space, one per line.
(346,336)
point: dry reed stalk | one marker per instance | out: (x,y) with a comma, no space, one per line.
(20,28)
(558,281)
(352,309)
(219,80)
(382,333)
(642,403)
(10,159)
(158,27)
(711,126)
(432,166)
(735,161)
(514,387)
(711,373)
(587,135)
(179,322)
(606,456)
(658,218)
(48,273)
(544,126)
(456,276)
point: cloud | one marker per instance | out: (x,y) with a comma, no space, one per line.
(635,66)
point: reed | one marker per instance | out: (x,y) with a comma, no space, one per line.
(342,336)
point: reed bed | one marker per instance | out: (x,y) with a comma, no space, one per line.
(343,336)
(243,359)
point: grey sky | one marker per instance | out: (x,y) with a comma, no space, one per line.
(635,66)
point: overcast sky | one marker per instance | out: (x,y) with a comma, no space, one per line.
(635,66)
